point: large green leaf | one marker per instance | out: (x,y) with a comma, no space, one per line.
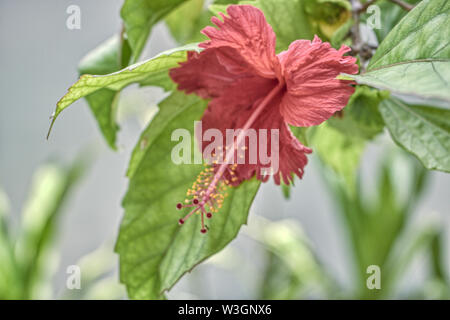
(426,79)
(139,16)
(150,72)
(423,131)
(103,60)
(414,59)
(154,250)
(420,35)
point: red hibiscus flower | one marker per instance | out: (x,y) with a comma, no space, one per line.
(250,87)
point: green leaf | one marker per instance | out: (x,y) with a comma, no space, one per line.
(341,35)
(103,104)
(427,79)
(103,60)
(414,58)
(293,271)
(361,116)
(139,16)
(226,1)
(437,250)
(286,190)
(423,131)
(339,152)
(287,18)
(221,6)
(51,186)
(218,8)
(9,275)
(327,10)
(418,36)
(154,250)
(4,212)
(168,111)
(186,22)
(327,16)
(150,72)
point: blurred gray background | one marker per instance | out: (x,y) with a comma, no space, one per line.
(38,60)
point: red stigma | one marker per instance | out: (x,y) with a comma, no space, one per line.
(209,215)
(203,230)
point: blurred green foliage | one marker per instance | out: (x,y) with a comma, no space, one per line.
(379,227)
(29,254)
(292,270)
(378,221)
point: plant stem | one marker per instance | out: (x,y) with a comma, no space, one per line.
(403,4)
(359,47)
(366,5)
(356,36)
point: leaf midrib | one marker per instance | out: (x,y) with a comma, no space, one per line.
(409,33)
(417,115)
(431,60)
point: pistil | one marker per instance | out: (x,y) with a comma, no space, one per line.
(209,189)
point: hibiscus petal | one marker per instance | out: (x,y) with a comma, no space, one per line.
(209,72)
(313,92)
(232,109)
(231,112)
(292,154)
(247,31)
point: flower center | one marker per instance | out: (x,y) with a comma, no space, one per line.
(209,190)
